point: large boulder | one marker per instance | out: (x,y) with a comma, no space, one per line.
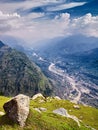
(17,109)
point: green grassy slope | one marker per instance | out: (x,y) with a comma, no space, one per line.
(50,121)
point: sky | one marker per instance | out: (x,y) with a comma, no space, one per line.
(37,20)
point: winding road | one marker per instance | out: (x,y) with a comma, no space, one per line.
(52,68)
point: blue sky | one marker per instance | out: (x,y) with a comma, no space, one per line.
(37,20)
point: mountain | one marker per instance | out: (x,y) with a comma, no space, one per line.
(70,45)
(19,75)
(72,65)
(91,54)
(89,60)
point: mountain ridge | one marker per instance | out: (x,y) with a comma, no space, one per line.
(19,75)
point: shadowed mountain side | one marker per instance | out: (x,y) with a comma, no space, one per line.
(19,75)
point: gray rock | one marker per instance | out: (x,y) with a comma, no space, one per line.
(17,109)
(61,111)
(39,95)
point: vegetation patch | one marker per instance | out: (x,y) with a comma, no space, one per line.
(48,120)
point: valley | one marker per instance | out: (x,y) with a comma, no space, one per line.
(48,64)
(72,79)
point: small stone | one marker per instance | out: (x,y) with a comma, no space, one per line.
(37,109)
(76,106)
(2,113)
(42,109)
(70,110)
(58,98)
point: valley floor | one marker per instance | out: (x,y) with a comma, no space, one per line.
(75,87)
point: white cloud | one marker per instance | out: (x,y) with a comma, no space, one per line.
(87,25)
(13,6)
(65,6)
(6,15)
(8,21)
(32,28)
(62,25)
(42,29)
(35,15)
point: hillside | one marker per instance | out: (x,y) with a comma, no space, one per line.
(47,120)
(19,75)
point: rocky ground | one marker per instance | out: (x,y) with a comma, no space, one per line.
(46,113)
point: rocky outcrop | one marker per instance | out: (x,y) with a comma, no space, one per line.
(63,112)
(17,109)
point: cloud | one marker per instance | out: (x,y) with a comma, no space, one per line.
(25,4)
(86,25)
(3,1)
(65,6)
(4,15)
(8,21)
(35,30)
(34,27)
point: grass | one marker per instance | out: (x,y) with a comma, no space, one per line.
(50,121)
(2,101)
